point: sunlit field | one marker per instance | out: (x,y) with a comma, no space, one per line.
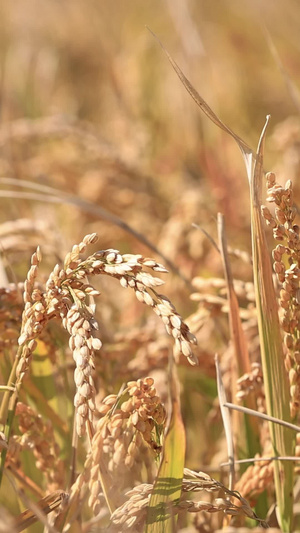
(150,266)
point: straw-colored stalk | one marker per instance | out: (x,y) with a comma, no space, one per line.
(275,378)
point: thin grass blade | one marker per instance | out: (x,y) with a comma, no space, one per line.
(58,196)
(226,422)
(244,147)
(275,377)
(167,488)
(241,363)
(290,84)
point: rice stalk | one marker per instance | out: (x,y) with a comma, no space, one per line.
(226,423)
(249,442)
(275,378)
(39,510)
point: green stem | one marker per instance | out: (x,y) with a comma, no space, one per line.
(10,387)
(8,407)
(8,427)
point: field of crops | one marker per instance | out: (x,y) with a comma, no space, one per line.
(150,266)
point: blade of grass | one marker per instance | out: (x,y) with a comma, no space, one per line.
(244,147)
(263,416)
(290,84)
(262,460)
(38,511)
(237,333)
(57,196)
(8,408)
(241,362)
(226,423)
(167,488)
(245,429)
(275,377)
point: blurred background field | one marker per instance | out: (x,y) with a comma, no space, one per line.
(90,106)
(96,66)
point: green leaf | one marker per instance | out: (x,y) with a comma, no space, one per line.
(167,488)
